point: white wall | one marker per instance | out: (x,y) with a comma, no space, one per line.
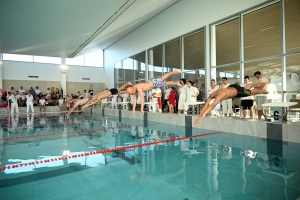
(183,17)
(13,70)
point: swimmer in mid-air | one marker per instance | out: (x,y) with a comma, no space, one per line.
(152,83)
(231,91)
(106,94)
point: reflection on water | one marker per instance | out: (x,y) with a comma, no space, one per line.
(209,167)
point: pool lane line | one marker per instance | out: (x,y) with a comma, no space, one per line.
(71,132)
(102,151)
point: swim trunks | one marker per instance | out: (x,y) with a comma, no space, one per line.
(241,91)
(158,82)
(114,91)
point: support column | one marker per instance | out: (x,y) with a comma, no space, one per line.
(283,51)
(207,58)
(63,80)
(150,65)
(1,67)
(241,28)
(182,56)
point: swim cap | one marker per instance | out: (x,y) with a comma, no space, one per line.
(130,90)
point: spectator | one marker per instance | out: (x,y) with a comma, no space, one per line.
(31,91)
(192,94)
(260,98)
(42,103)
(22,99)
(12,91)
(226,104)
(247,102)
(156,94)
(213,87)
(52,91)
(14,103)
(166,98)
(172,99)
(61,102)
(57,92)
(29,102)
(21,90)
(37,92)
(182,95)
(48,91)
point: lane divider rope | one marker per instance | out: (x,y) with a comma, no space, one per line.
(7,167)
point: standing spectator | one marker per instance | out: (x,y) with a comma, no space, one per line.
(192,94)
(201,95)
(61,103)
(14,103)
(260,98)
(226,104)
(213,87)
(172,99)
(247,102)
(182,95)
(21,90)
(42,103)
(166,98)
(156,94)
(29,102)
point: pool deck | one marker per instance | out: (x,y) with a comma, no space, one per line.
(286,132)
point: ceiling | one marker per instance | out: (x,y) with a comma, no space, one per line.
(70,27)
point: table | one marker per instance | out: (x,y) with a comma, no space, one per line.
(151,105)
(193,104)
(279,109)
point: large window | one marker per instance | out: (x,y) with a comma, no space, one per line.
(262,32)
(79,60)
(227,42)
(45,59)
(155,59)
(17,57)
(139,66)
(128,69)
(119,74)
(292,25)
(293,76)
(172,58)
(194,51)
(232,73)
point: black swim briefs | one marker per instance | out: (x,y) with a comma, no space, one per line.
(114,91)
(241,91)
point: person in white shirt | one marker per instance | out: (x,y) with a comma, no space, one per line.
(18,97)
(226,104)
(260,98)
(182,95)
(14,103)
(114,101)
(212,88)
(247,102)
(192,94)
(166,98)
(21,90)
(125,97)
(29,102)
(61,103)
(11,90)
(42,104)
(156,94)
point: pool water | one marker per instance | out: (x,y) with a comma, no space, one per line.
(90,156)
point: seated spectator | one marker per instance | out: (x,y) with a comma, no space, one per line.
(42,103)
(31,91)
(57,92)
(11,90)
(18,96)
(21,90)
(40,96)
(52,91)
(48,91)
(53,99)
(37,91)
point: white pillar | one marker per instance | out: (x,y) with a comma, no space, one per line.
(63,80)
(213,53)
(150,64)
(1,67)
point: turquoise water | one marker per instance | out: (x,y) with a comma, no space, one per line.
(96,157)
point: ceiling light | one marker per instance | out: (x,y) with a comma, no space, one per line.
(266,28)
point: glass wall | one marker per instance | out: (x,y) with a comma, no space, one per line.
(261,50)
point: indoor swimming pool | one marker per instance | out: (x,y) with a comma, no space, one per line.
(91,156)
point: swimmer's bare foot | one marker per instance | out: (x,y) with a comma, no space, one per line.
(178,71)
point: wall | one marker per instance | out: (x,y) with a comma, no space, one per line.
(49,75)
(179,19)
(74,87)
